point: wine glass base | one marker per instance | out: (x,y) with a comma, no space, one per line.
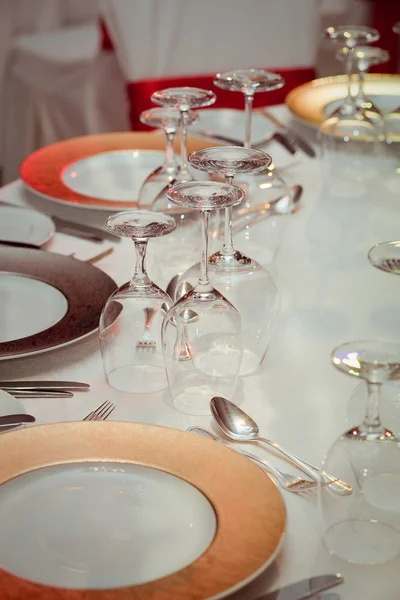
(195,401)
(360,541)
(250,362)
(139,379)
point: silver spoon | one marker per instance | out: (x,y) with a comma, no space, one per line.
(16,419)
(287,481)
(239,426)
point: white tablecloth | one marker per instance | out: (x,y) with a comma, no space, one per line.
(330,295)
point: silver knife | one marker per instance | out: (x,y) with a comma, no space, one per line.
(38,384)
(296,139)
(40,393)
(278,136)
(81,230)
(307,588)
(13,419)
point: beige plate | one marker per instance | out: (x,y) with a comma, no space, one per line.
(308,101)
(251,516)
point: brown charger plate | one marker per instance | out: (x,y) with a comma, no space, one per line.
(42,170)
(249,508)
(85,287)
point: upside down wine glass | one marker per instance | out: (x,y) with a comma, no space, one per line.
(349,36)
(184,99)
(130,324)
(242,280)
(364,527)
(167,119)
(249,82)
(201,333)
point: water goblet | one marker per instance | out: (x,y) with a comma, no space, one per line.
(242,280)
(201,333)
(364,527)
(363,58)
(350,36)
(130,324)
(386,257)
(167,119)
(249,82)
(184,99)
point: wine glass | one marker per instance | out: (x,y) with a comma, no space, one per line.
(167,119)
(364,527)
(242,280)
(364,57)
(349,36)
(201,333)
(130,324)
(386,257)
(249,82)
(184,99)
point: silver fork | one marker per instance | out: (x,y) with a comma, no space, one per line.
(291,483)
(101,413)
(146,342)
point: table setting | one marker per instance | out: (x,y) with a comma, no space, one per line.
(179,308)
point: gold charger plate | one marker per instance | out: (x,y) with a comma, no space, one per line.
(42,170)
(308,101)
(249,509)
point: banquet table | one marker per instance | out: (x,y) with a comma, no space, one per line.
(330,294)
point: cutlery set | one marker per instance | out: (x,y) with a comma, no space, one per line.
(240,427)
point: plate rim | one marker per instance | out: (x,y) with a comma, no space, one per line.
(50,268)
(246,529)
(40,172)
(312,113)
(51,228)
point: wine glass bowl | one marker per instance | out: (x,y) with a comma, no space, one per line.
(365,527)
(386,257)
(202,332)
(130,323)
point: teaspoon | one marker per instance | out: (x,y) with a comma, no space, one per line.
(239,426)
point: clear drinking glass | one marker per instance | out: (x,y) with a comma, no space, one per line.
(349,36)
(167,119)
(130,324)
(201,333)
(184,99)
(242,280)
(364,57)
(364,527)
(249,82)
(386,257)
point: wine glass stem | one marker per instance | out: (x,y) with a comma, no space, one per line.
(140,276)
(248,108)
(227,248)
(170,162)
(203,280)
(360,93)
(184,159)
(349,72)
(371,419)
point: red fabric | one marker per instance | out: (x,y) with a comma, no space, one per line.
(139,92)
(106,41)
(385,14)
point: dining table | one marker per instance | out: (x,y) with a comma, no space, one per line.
(330,294)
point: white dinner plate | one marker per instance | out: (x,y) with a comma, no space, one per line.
(115,176)
(129,510)
(25,225)
(231,122)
